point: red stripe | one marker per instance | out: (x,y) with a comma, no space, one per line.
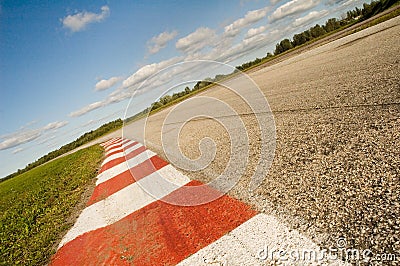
(122,149)
(158,234)
(135,152)
(109,187)
(114,152)
(122,159)
(112,164)
(125,141)
(108,142)
(117,144)
(130,145)
(113,142)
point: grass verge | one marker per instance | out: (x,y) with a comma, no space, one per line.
(36,206)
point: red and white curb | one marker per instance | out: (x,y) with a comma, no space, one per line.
(124,225)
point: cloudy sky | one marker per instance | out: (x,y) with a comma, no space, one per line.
(67,67)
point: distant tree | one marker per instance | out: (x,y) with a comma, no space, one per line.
(156,105)
(367,9)
(286,44)
(331,25)
(308,35)
(299,39)
(197,86)
(239,68)
(219,77)
(317,31)
(278,49)
(358,11)
(204,83)
(165,99)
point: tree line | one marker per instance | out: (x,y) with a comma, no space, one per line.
(85,138)
(167,99)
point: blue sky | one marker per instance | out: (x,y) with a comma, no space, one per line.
(67,67)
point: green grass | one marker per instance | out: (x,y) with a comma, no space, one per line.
(35,206)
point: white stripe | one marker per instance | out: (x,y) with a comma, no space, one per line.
(115,145)
(119,146)
(252,243)
(111,141)
(121,154)
(127,143)
(107,142)
(126,201)
(111,144)
(104,144)
(122,167)
(114,139)
(119,142)
(225,251)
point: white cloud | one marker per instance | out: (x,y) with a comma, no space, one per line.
(250,18)
(313,15)
(160,41)
(292,7)
(226,51)
(254,43)
(55,125)
(196,41)
(19,138)
(17,150)
(274,2)
(349,2)
(43,139)
(79,21)
(148,70)
(255,31)
(88,123)
(115,97)
(334,2)
(105,84)
(86,109)
(223,45)
(129,86)
(244,47)
(26,135)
